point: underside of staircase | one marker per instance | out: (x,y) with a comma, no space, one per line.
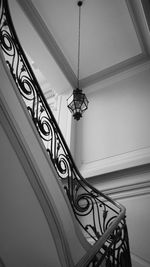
(90,227)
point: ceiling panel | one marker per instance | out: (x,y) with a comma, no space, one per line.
(108,35)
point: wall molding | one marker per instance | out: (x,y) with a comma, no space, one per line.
(116,162)
(129,191)
(123,184)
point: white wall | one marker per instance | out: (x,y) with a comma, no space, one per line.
(113,138)
(116,128)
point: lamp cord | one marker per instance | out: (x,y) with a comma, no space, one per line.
(79,30)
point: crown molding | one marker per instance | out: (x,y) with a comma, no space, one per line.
(117,69)
(140,64)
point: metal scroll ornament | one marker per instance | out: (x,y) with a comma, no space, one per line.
(93,210)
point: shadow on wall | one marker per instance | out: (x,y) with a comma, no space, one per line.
(2,263)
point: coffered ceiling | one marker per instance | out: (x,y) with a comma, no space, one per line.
(114,36)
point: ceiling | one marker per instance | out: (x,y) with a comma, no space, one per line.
(112,38)
(107,32)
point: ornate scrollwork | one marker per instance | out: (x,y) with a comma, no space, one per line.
(93,210)
(115,252)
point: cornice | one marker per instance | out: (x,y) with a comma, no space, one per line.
(117,69)
(139,64)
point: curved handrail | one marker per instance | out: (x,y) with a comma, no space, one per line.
(101,212)
(96,248)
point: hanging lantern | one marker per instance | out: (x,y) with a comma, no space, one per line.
(77,102)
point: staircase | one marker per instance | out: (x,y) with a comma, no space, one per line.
(99,220)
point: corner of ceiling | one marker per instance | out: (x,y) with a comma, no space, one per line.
(140,23)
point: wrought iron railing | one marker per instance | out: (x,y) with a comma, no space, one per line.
(101,219)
